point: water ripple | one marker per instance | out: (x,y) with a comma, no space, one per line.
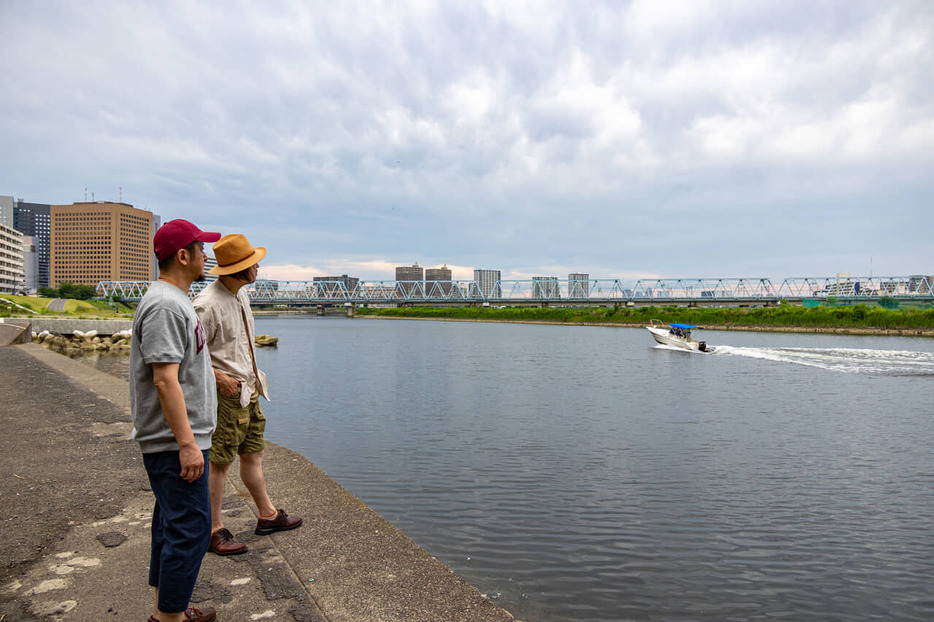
(580,474)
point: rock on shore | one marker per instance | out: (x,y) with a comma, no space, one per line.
(88,342)
(80,342)
(265,340)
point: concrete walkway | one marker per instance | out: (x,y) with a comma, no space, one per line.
(75,511)
(57,305)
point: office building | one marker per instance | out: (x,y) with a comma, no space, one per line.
(34,219)
(12,273)
(156,223)
(6,211)
(489,283)
(578,285)
(545,287)
(30,265)
(410,279)
(101,241)
(438,281)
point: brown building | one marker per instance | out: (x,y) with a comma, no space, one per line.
(101,241)
(410,280)
(438,281)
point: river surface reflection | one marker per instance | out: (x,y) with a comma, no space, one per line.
(584,473)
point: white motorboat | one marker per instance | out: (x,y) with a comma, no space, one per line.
(677,336)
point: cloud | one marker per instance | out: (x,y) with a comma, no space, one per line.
(515,136)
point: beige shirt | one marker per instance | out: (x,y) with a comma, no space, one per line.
(228,328)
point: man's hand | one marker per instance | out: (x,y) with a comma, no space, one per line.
(228,385)
(192,463)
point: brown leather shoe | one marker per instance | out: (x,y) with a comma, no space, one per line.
(193,614)
(279,522)
(223,543)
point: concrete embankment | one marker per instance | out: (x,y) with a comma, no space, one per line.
(14,331)
(75,510)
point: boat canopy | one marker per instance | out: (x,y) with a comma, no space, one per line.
(686,326)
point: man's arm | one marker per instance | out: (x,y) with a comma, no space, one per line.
(165,379)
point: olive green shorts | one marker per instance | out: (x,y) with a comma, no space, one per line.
(239,430)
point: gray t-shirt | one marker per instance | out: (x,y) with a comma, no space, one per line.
(166,329)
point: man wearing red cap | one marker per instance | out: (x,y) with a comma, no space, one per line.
(224,310)
(174,415)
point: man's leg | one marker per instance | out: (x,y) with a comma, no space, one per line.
(216,482)
(181,532)
(251,472)
(224,444)
(222,541)
(166,617)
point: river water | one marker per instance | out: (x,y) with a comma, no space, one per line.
(585,473)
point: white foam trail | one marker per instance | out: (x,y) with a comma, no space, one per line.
(847,360)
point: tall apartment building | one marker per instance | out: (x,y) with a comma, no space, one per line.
(545,287)
(438,281)
(100,241)
(156,223)
(578,285)
(34,219)
(30,265)
(489,283)
(412,278)
(12,273)
(330,285)
(6,211)
(921,283)
(209,263)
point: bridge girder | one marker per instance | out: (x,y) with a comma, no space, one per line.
(706,291)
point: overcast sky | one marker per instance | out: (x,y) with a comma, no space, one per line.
(620,139)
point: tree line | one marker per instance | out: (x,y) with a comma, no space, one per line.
(68,290)
(782,315)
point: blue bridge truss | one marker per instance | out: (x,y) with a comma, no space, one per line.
(553,291)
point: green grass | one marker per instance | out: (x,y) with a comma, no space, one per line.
(36,304)
(855,316)
(83,308)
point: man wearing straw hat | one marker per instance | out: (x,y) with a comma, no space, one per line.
(224,309)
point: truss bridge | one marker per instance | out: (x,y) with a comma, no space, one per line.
(552,291)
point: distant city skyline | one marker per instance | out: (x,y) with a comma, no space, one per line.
(34,219)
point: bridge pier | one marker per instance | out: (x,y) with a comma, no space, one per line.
(351,310)
(320,310)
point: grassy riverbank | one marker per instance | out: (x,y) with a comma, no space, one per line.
(857,318)
(26,306)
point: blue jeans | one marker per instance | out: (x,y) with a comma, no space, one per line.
(181,529)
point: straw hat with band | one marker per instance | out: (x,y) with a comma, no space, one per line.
(234,253)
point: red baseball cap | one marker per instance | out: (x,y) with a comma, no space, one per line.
(176,235)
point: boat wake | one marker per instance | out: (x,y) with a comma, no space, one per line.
(846,360)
